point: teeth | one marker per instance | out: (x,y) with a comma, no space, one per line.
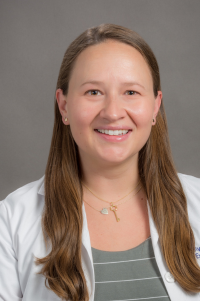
(115,133)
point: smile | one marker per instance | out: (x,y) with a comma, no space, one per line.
(113,136)
(113,133)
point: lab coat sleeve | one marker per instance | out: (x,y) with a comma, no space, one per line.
(9,279)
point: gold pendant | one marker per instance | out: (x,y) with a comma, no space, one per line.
(114,209)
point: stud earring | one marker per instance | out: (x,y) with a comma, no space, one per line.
(66,119)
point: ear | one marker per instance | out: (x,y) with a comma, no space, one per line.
(157,104)
(62,105)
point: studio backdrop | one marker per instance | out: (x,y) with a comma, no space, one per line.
(34,35)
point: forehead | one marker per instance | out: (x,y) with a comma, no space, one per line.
(110,59)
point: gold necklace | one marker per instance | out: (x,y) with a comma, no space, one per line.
(115,201)
(113,207)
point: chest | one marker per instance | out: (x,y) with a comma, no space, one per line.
(108,234)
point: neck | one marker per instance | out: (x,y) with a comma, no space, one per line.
(109,181)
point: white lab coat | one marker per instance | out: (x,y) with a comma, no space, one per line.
(21,238)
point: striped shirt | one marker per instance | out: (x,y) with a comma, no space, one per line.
(128,275)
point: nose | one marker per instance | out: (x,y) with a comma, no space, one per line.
(112,108)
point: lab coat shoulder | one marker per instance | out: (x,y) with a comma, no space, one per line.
(23,208)
(191,187)
(20,238)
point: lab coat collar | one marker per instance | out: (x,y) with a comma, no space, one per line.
(41,189)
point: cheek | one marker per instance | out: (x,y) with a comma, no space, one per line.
(80,119)
(143,125)
(142,120)
(142,115)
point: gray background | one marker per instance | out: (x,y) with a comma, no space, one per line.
(34,36)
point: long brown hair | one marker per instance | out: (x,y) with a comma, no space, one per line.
(62,219)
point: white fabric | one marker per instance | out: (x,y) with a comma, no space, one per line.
(21,239)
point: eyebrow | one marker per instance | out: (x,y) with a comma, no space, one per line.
(124,83)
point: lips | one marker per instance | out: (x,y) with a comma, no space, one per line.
(113,138)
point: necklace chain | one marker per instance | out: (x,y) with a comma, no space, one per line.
(112,207)
(112,202)
(115,201)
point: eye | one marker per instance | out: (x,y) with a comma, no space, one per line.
(132,92)
(93,92)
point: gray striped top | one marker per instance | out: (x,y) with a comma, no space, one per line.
(128,275)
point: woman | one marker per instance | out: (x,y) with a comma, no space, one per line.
(111,219)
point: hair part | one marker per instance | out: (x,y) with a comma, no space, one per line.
(62,219)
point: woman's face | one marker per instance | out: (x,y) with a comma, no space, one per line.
(110,87)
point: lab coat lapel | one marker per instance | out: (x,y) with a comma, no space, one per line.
(87,259)
(174,290)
